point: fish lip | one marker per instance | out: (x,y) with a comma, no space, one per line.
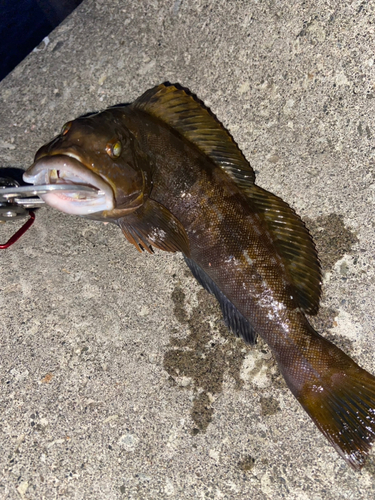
(75,172)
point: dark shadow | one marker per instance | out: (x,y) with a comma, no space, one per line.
(24,24)
(13,173)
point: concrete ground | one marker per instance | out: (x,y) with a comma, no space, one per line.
(118,379)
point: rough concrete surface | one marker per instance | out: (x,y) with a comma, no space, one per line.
(118,379)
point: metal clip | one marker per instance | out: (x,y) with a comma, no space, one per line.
(18,195)
(17,201)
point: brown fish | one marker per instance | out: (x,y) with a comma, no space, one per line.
(170,175)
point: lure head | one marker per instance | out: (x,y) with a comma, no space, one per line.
(97,151)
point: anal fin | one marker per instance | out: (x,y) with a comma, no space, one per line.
(234,320)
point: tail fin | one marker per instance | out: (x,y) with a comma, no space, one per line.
(343,409)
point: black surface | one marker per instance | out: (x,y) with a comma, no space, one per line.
(24,24)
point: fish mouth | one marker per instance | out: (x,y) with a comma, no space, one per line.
(67,168)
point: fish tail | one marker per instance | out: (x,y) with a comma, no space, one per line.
(341,403)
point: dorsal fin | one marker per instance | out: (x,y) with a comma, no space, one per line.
(293,243)
(186,114)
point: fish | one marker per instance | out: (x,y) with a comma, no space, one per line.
(168,173)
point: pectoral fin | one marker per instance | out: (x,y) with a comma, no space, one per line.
(152,225)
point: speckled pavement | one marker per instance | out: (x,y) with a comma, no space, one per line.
(118,379)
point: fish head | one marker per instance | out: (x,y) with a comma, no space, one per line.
(97,151)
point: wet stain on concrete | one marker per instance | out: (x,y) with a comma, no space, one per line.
(324,322)
(332,238)
(208,352)
(370,466)
(247,463)
(269,406)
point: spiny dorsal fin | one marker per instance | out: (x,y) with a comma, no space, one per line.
(185,113)
(294,244)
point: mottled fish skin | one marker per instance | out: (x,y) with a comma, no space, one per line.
(197,195)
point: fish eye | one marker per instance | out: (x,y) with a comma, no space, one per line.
(113,149)
(66,128)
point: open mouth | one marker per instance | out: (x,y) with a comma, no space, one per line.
(68,169)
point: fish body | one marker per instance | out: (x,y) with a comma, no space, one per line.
(171,177)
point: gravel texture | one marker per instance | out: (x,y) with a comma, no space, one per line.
(118,379)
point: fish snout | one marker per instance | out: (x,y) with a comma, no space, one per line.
(68,169)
